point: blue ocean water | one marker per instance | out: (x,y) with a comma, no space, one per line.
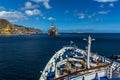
(23,57)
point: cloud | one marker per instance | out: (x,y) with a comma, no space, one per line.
(12,15)
(104,1)
(14,20)
(45,3)
(103,12)
(51,18)
(44,17)
(29,5)
(89,17)
(85,15)
(33,12)
(111,5)
(81,15)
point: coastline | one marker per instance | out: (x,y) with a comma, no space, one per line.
(18,34)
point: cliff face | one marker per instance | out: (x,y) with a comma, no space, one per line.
(6,28)
(3,23)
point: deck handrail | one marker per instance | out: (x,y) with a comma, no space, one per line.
(77,72)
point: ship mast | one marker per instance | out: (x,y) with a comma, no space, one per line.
(88,50)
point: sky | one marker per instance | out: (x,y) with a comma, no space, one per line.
(68,15)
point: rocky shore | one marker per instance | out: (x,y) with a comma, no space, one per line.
(6,28)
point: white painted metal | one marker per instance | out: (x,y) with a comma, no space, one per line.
(87,76)
(90,76)
(89,48)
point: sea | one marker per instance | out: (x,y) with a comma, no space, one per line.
(23,57)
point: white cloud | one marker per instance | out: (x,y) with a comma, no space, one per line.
(44,17)
(45,3)
(33,12)
(14,20)
(29,5)
(89,17)
(103,12)
(111,5)
(51,18)
(12,15)
(81,15)
(104,1)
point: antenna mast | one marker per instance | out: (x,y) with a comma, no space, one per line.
(89,49)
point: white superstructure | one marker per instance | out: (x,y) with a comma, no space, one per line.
(72,63)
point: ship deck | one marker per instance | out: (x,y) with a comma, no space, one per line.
(70,62)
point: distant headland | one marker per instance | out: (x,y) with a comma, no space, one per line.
(6,28)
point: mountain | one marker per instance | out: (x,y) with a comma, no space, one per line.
(6,28)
